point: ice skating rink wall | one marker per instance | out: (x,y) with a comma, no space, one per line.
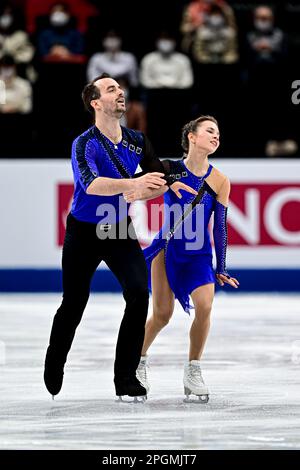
(263,225)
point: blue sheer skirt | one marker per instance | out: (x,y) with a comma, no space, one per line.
(185,272)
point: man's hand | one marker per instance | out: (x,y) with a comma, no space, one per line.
(151,193)
(136,194)
(178,186)
(149,180)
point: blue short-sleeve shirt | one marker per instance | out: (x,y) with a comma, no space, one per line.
(91,159)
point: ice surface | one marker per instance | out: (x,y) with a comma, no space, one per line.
(251,365)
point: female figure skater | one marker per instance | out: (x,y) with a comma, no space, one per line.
(180,265)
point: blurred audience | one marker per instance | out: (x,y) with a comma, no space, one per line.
(285,148)
(60,40)
(215,55)
(267,81)
(17,90)
(194,16)
(113,61)
(266,42)
(83,10)
(237,59)
(15,112)
(167,78)
(215,40)
(165,67)
(13,40)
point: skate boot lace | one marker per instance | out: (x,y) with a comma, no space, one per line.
(141,374)
(142,371)
(194,374)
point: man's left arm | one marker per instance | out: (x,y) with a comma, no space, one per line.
(151,163)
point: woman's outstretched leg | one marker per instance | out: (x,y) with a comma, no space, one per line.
(163,306)
(163,302)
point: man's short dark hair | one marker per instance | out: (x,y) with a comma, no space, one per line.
(92,92)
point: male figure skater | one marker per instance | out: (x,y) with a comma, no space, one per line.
(104,160)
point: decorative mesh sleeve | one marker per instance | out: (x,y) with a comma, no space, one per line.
(170,178)
(151,163)
(220,237)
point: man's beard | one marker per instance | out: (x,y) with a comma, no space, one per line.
(120,112)
(116,113)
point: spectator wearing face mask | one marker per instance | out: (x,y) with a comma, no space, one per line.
(35,10)
(194,16)
(16,91)
(267,79)
(215,40)
(165,67)
(266,42)
(60,40)
(167,78)
(15,112)
(114,61)
(13,40)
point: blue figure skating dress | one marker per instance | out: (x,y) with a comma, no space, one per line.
(186,243)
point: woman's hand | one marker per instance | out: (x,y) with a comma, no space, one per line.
(143,194)
(178,186)
(222,279)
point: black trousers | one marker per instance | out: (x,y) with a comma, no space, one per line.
(82,253)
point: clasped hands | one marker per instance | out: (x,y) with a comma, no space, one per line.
(150,184)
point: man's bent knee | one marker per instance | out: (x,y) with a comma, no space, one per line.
(136,292)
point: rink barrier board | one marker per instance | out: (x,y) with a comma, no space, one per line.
(263,225)
(50,280)
(263,218)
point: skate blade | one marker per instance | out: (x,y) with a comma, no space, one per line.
(200,399)
(127,399)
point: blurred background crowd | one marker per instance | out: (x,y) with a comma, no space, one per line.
(176,59)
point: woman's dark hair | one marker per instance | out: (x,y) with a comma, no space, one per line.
(92,92)
(192,126)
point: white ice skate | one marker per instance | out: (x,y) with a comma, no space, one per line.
(194,383)
(142,373)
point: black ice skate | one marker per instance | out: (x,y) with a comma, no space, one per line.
(53,375)
(131,387)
